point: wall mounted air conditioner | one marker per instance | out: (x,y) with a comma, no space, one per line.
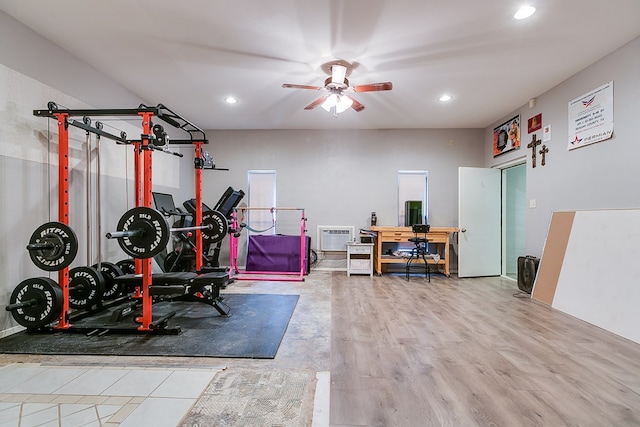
(334,238)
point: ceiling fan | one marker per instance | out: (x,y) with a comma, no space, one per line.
(337,97)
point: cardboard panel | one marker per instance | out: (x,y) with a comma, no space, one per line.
(553,255)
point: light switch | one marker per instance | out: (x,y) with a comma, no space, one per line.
(532,203)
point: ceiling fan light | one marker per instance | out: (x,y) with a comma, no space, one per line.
(338,73)
(330,102)
(343,104)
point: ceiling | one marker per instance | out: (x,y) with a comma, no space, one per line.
(191,54)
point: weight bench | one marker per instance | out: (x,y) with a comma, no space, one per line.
(206,288)
(183,286)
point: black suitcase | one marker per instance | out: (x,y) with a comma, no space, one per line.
(527,269)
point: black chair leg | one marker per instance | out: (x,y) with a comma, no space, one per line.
(427,270)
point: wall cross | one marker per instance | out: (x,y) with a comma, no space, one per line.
(533,145)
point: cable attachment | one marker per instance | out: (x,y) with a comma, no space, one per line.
(161,137)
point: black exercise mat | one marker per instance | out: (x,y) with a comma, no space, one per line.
(254,330)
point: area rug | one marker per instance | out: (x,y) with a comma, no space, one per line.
(254,329)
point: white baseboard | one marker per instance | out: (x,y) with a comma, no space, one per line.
(11,331)
(329,269)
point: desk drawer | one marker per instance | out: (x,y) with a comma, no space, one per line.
(360,249)
(396,237)
(404,237)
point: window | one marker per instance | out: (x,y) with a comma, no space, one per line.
(412,198)
(261,189)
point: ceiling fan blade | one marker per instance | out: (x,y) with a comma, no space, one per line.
(373,87)
(292,86)
(356,105)
(317,102)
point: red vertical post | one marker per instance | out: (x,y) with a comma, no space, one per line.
(137,190)
(146,184)
(63,208)
(198,219)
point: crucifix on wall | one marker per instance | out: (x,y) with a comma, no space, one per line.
(533,145)
(543,152)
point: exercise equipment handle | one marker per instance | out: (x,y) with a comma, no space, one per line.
(161,322)
(122,234)
(40,246)
(28,303)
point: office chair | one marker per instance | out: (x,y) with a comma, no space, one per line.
(420,250)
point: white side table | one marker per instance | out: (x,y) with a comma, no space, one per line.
(360,258)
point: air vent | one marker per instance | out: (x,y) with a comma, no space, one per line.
(334,238)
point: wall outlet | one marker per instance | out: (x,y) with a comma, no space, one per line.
(532,203)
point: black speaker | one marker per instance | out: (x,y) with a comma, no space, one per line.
(527,269)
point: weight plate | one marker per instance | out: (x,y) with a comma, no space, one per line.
(86,285)
(109,272)
(154,236)
(48,307)
(219,226)
(128,266)
(65,246)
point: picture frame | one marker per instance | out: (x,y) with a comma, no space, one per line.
(506,137)
(534,123)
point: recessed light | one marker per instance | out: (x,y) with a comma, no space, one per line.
(524,12)
(445,98)
(230,100)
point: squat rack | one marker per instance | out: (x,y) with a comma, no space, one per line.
(285,276)
(152,137)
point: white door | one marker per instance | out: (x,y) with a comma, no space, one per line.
(479,222)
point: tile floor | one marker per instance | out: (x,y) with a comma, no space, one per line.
(35,395)
(81,390)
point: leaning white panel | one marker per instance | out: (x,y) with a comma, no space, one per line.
(597,282)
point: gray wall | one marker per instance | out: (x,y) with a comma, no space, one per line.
(604,175)
(340,177)
(25,51)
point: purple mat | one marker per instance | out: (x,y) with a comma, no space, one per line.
(277,253)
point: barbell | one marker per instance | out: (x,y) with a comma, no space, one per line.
(86,287)
(53,246)
(36,302)
(110,271)
(144,232)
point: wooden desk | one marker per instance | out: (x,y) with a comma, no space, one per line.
(436,235)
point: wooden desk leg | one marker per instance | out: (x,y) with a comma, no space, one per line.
(446,258)
(378,256)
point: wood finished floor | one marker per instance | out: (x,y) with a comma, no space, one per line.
(453,352)
(466,352)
